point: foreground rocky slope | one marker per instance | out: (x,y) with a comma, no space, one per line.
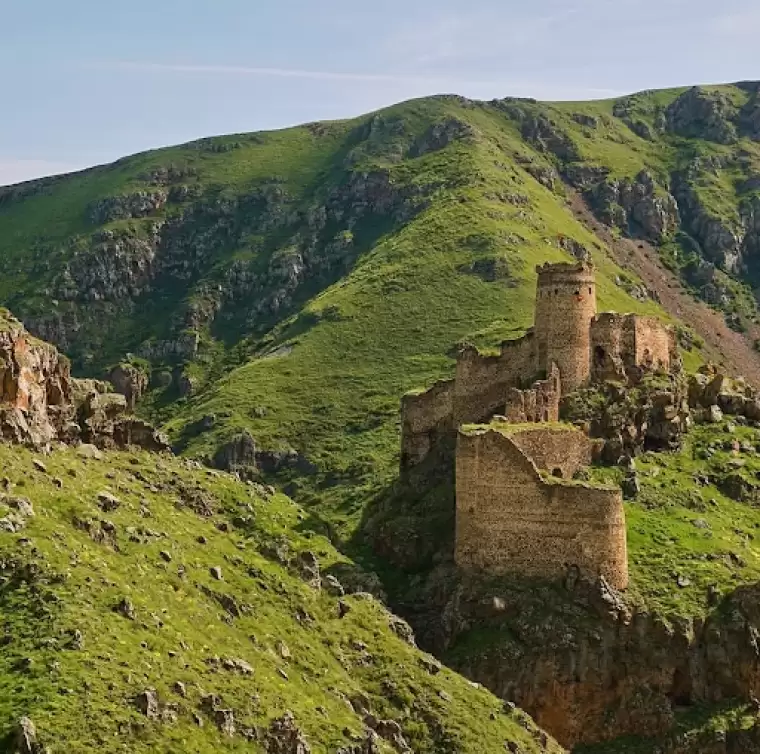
(149,603)
(152,605)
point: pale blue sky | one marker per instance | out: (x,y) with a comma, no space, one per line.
(87,81)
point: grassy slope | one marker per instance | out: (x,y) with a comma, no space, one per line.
(81,699)
(401,310)
(664,542)
(390,324)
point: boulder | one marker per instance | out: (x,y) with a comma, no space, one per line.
(129,381)
(285,737)
(147,703)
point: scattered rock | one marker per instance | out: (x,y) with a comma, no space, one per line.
(402,629)
(20,504)
(89,451)
(147,703)
(107,501)
(285,737)
(308,568)
(631,486)
(225,721)
(216,573)
(25,738)
(126,608)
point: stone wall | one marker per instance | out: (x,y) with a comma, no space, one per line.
(561,451)
(510,519)
(539,403)
(624,346)
(425,419)
(655,344)
(565,306)
(481,382)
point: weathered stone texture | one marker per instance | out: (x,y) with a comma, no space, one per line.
(565,307)
(481,382)
(40,402)
(426,417)
(623,346)
(511,519)
(539,403)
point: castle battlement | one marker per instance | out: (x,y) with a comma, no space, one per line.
(510,516)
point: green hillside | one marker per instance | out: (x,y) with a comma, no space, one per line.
(108,591)
(278,293)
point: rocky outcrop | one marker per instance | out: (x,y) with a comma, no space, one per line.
(183,347)
(654,415)
(698,113)
(584,176)
(35,386)
(722,241)
(710,387)
(440,135)
(107,274)
(130,381)
(749,117)
(40,402)
(241,455)
(547,136)
(638,204)
(117,264)
(129,206)
(583,665)
(285,737)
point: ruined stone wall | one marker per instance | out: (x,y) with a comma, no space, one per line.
(554,449)
(482,381)
(655,342)
(613,347)
(624,346)
(508,519)
(539,403)
(565,306)
(425,419)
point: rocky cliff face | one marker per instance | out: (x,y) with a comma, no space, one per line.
(110,272)
(579,661)
(638,204)
(41,403)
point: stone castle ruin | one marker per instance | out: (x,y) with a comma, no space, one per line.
(518,508)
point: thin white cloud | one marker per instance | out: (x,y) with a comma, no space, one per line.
(293,73)
(456,37)
(16,171)
(410,85)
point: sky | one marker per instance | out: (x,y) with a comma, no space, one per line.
(86,81)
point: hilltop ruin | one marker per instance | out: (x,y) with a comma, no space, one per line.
(518,508)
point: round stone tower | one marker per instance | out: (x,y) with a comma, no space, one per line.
(565,306)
